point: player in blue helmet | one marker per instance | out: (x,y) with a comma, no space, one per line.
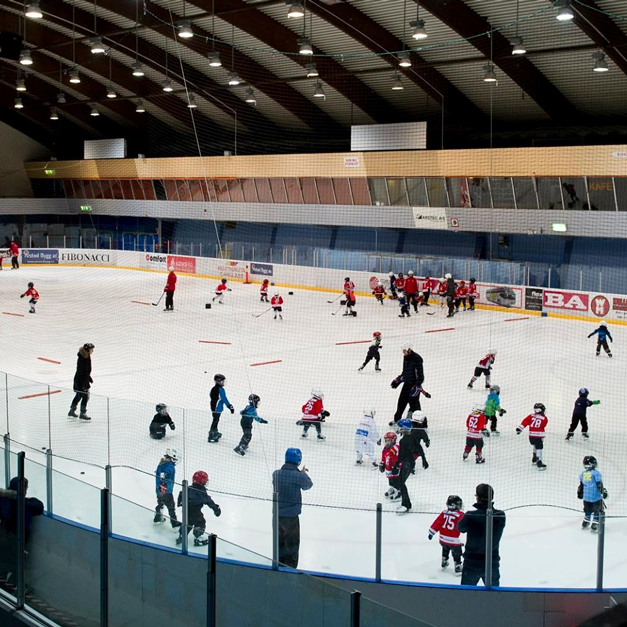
(603,334)
(579,414)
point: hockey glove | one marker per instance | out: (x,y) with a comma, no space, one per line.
(580,491)
(22,295)
(179,500)
(324,414)
(381,467)
(172,426)
(415,391)
(263,421)
(427,443)
(163,489)
(604,493)
(502,412)
(431,536)
(426,394)
(485,433)
(300,423)
(91,380)
(611,340)
(217,511)
(396,382)
(596,402)
(379,442)
(518,431)
(232,409)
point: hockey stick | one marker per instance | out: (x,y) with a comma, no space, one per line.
(160,297)
(332,301)
(337,310)
(261,314)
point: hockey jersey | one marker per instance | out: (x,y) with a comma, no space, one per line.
(590,479)
(349,290)
(536,423)
(472,289)
(312,409)
(400,284)
(389,458)
(164,476)
(475,424)
(442,288)
(461,291)
(447,524)
(411,285)
(264,288)
(378,289)
(221,288)
(170,284)
(426,285)
(32,292)
(276,301)
(367,430)
(486,362)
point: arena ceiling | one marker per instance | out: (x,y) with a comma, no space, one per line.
(551,92)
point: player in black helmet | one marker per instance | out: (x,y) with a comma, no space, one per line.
(249,413)
(219,401)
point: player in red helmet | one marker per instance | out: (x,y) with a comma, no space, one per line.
(373,352)
(197,497)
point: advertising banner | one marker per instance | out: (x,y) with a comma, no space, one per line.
(182,264)
(500,296)
(40,255)
(156,261)
(600,306)
(232,269)
(619,307)
(533,298)
(87,258)
(430,218)
(567,301)
(261,269)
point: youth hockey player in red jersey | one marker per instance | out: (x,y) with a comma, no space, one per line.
(220,291)
(349,294)
(537,424)
(426,292)
(442,292)
(446,523)
(399,284)
(460,295)
(411,290)
(379,292)
(277,305)
(34,297)
(476,431)
(263,291)
(484,367)
(472,294)
(314,413)
(169,289)
(389,466)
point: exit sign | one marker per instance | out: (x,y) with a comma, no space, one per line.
(86,208)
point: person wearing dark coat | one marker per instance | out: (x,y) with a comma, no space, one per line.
(288,483)
(473,524)
(409,450)
(197,497)
(411,378)
(450,295)
(82,381)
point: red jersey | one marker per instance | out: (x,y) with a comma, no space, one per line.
(472,289)
(399,284)
(379,289)
(411,285)
(221,288)
(170,284)
(426,286)
(15,251)
(461,291)
(349,290)
(475,423)
(32,292)
(536,423)
(446,523)
(276,301)
(264,288)
(486,362)
(312,409)
(389,456)
(442,288)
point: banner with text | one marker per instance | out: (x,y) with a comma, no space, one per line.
(40,255)
(182,264)
(430,218)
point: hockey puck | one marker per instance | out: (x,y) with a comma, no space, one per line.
(290,293)
(82,472)
(207,305)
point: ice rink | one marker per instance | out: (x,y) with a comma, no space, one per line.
(144,356)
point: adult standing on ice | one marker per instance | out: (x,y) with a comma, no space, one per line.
(15,253)
(82,381)
(411,377)
(169,289)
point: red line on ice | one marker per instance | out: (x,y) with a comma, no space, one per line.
(7,313)
(51,361)
(355,342)
(40,394)
(515,319)
(212,342)
(438,330)
(139,302)
(263,363)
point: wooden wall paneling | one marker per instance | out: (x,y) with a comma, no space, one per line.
(294,192)
(263,190)
(138,190)
(325,191)
(343,195)
(310,191)
(361,193)
(127,189)
(249,190)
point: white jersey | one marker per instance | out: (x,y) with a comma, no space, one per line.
(367,430)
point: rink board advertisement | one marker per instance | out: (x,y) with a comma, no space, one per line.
(500,296)
(182,264)
(565,301)
(232,269)
(156,261)
(261,269)
(40,255)
(533,298)
(87,257)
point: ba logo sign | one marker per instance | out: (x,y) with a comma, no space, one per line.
(600,306)
(565,300)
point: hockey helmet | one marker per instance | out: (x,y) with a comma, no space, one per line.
(293,456)
(454,503)
(376,334)
(222,280)
(448,275)
(410,273)
(317,393)
(390,273)
(427,278)
(462,282)
(390,437)
(88,346)
(171,268)
(472,280)
(162,409)
(404,425)
(603,326)
(219,378)
(442,279)
(495,389)
(584,392)
(589,462)
(31,285)
(347,278)
(200,477)
(492,351)
(478,408)
(406,346)
(539,408)
(254,400)
(400,274)
(266,281)
(276,294)
(173,454)
(418,416)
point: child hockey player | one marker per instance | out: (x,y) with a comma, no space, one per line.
(393,294)
(263,291)
(314,413)
(220,290)
(426,292)
(349,295)
(472,294)
(219,401)
(579,414)
(484,368)
(403,304)
(475,432)
(442,292)
(197,497)
(248,414)
(169,289)
(277,305)
(419,425)
(388,465)
(379,292)
(461,292)
(164,476)
(603,333)
(592,492)
(366,436)
(34,297)
(446,523)
(373,352)
(492,407)
(160,421)
(399,284)
(537,424)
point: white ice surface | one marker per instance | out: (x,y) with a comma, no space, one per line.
(144,356)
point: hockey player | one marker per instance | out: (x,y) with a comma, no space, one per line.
(442,285)
(475,432)
(379,292)
(349,294)
(592,492)
(277,305)
(34,297)
(451,289)
(603,333)
(412,378)
(537,424)
(579,414)
(160,421)
(388,465)
(492,407)
(484,367)
(461,293)
(248,414)
(373,352)
(426,292)
(446,523)
(219,401)
(400,283)
(404,305)
(366,436)
(419,424)
(393,294)
(263,291)
(408,449)
(472,294)
(220,291)
(164,476)
(197,497)
(314,413)
(169,289)
(411,290)
(15,253)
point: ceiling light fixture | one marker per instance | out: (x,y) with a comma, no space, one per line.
(319,90)
(403,59)
(489,76)
(18,103)
(214,59)
(94,112)
(74,77)
(397,83)
(305,46)
(295,10)
(420,32)
(53,114)
(565,12)
(167,86)
(20,85)
(138,69)
(111,93)
(33,10)
(517,46)
(185,29)
(139,108)
(600,64)
(25,58)
(312,71)
(234,79)
(250,96)
(191,103)
(61,98)
(96,45)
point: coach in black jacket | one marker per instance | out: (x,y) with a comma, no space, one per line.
(474,525)
(411,377)
(82,381)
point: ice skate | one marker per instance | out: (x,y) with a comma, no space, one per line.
(569,437)
(402,509)
(159,518)
(213,437)
(72,412)
(359,462)
(275,316)
(395,496)
(479,459)
(444,562)
(487,386)
(179,540)
(458,567)
(534,459)
(360,368)
(304,434)
(322,437)
(240,451)
(375,465)
(425,464)
(585,524)
(391,423)
(585,435)
(594,527)
(377,369)
(389,493)
(176,524)
(469,386)
(84,416)
(465,456)
(541,465)
(495,432)
(609,355)
(201,541)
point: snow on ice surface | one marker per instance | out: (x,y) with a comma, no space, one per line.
(144,356)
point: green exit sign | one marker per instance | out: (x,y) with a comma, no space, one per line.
(50,172)
(86,208)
